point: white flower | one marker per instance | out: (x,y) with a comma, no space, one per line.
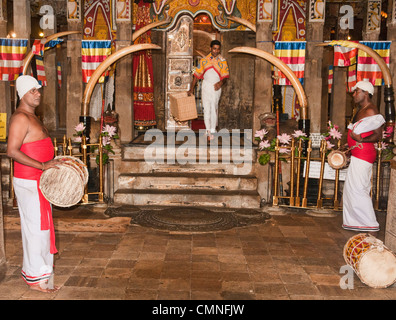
(106,140)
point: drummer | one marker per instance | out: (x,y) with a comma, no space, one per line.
(358,211)
(30,146)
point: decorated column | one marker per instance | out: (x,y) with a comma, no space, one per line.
(390,233)
(48,104)
(313,64)
(123,94)
(74,78)
(5,104)
(262,78)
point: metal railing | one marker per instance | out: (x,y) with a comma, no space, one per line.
(299,166)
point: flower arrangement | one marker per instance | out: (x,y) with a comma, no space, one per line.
(332,135)
(108,133)
(385,147)
(284,140)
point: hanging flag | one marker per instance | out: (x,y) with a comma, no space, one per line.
(330,79)
(59,74)
(93,53)
(351,77)
(292,54)
(53,43)
(12,53)
(367,68)
(39,47)
(41,78)
(344,56)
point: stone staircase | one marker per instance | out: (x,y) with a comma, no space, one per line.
(179,175)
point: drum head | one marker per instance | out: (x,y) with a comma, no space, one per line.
(62,186)
(377,268)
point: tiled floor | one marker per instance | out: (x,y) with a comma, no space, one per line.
(292,256)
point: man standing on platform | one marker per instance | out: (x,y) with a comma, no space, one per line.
(213,69)
(366,129)
(30,146)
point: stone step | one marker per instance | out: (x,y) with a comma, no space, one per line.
(130,166)
(191,154)
(205,198)
(186,181)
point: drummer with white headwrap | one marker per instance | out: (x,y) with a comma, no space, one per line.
(366,129)
(30,146)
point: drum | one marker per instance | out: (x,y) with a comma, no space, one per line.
(337,159)
(372,261)
(64,186)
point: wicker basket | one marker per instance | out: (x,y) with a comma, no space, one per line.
(182,106)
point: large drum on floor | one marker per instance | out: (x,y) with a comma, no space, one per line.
(64,186)
(372,261)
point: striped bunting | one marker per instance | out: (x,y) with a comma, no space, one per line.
(12,53)
(367,68)
(93,53)
(59,74)
(344,57)
(330,79)
(41,78)
(351,77)
(38,47)
(293,55)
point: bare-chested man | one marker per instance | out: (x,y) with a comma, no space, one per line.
(358,211)
(31,148)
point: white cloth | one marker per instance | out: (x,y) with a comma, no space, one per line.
(37,260)
(358,211)
(210,99)
(367,124)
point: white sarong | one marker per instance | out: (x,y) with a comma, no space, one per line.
(37,260)
(210,99)
(358,211)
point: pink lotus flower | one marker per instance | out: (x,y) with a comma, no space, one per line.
(80,127)
(106,140)
(110,130)
(329,145)
(260,134)
(77,139)
(335,134)
(284,138)
(284,150)
(299,133)
(264,144)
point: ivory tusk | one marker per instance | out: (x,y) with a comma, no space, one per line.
(286,71)
(29,56)
(104,65)
(378,59)
(139,32)
(244,22)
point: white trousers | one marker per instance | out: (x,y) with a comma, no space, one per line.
(37,260)
(358,211)
(210,99)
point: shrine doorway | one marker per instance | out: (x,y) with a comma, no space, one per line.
(186,44)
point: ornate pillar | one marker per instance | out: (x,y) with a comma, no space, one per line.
(48,104)
(123,80)
(5,103)
(74,79)
(390,230)
(313,64)
(262,77)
